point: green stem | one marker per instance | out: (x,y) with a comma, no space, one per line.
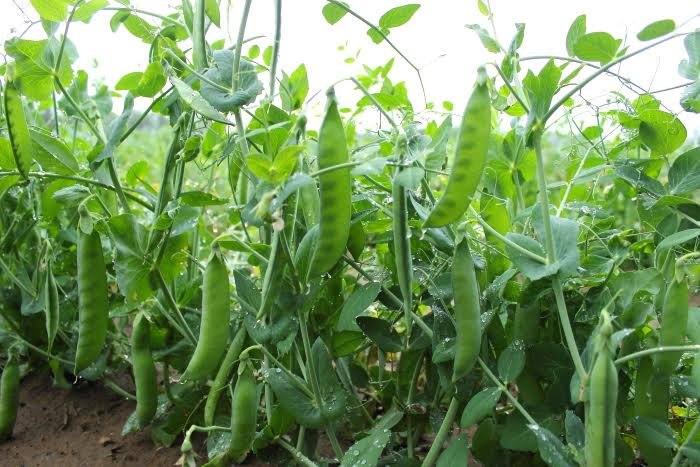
(147,13)
(689,439)
(375,103)
(296,453)
(654,350)
(170,300)
(508,394)
(119,390)
(239,42)
(15,279)
(599,72)
(442,433)
(199,46)
(552,258)
(275,47)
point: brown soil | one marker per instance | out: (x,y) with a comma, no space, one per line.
(77,427)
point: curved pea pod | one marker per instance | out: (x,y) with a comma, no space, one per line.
(18,130)
(9,397)
(214,327)
(93,306)
(336,191)
(467,311)
(51,307)
(144,371)
(244,414)
(223,375)
(674,321)
(601,427)
(469,159)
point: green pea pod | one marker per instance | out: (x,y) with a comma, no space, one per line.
(467,311)
(244,413)
(336,191)
(9,397)
(674,321)
(223,376)
(51,307)
(93,307)
(469,159)
(214,328)
(601,427)
(402,249)
(144,371)
(17,129)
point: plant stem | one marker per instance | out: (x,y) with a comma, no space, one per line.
(170,300)
(296,453)
(442,433)
(119,390)
(654,350)
(552,258)
(508,394)
(275,47)
(691,436)
(199,46)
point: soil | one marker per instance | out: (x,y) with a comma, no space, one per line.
(77,427)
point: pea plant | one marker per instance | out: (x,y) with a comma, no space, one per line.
(514,289)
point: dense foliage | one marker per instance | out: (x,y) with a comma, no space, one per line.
(511,284)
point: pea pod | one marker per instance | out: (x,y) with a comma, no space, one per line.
(402,248)
(467,311)
(674,321)
(144,371)
(51,307)
(222,376)
(9,397)
(336,191)
(244,412)
(469,159)
(214,327)
(17,129)
(93,307)
(601,427)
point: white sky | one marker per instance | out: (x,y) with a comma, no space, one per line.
(435,40)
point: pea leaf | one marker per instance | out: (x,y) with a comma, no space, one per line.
(51,10)
(486,40)
(678,238)
(656,432)
(576,30)
(575,431)
(479,406)
(656,29)
(457,453)
(222,97)
(661,131)
(132,269)
(552,450)
(333,12)
(684,174)
(398,16)
(86,10)
(690,68)
(200,198)
(541,88)
(690,99)
(361,298)
(380,332)
(332,393)
(511,361)
(34,64)
(597,47)
(366,451)
(52,154)
(197,102)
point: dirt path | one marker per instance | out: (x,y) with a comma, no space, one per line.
(76,428)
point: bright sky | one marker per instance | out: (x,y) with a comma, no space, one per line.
(436,40)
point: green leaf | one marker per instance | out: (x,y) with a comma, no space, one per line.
(132,268)
(211,8)
(576,30)
(52,154)
(197,102)
(630,286)
(541,88)
(34,63)
(597,47)
(684,174)
(361,298)
(284,164)
(333,395)
(511,361)
(678,238)
(295,401)
(380,332)
(480,406)
(129,82)
(552,450)
(444,336)
(260,165)
(690,68)
(410,177)
(656,432)
(575,431)
(656,29)
(690,99)
(51,10)
(457,453)
(151,81)
(294,88)
(333,12)
(222,97)
(661,131)
(398,16)
(200,198)
(483,7)
(486,40)
(376,34)
(86,11)
(366,451)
